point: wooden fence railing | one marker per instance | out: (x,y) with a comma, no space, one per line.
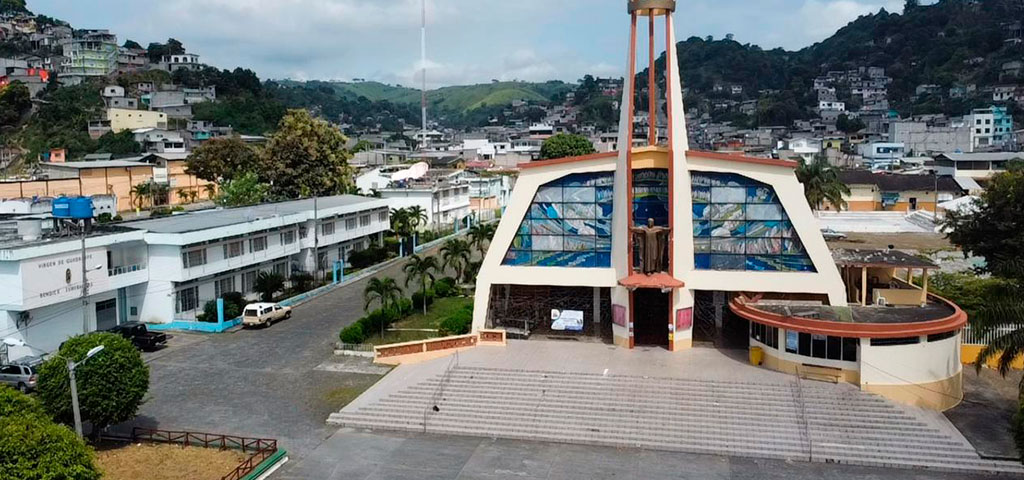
(259,449)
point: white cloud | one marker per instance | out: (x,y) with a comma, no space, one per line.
(468,40)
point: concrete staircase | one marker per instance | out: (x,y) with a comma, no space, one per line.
(923,219)
(800,420)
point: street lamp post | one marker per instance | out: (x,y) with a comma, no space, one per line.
(74,387)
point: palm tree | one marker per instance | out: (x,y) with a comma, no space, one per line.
(417,216)
(383,291)
(401,224)
(421,270)
(821,183)
(480,236)
(267,284)
(1002,306)
(456,254)
(211,190)
(139,193)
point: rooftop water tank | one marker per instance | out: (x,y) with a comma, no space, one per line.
(81,208)
(62,207)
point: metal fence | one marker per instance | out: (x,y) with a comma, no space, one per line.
(977,337)
(259,449)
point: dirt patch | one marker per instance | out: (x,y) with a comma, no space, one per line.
(925,242)
(156,461)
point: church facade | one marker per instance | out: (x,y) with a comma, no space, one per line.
(660,245)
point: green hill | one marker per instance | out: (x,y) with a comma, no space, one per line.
(950,43)
(461,98)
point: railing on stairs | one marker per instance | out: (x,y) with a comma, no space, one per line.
(438,394)
(803,416)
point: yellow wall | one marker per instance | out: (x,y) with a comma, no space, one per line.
(969,354)
(123,119)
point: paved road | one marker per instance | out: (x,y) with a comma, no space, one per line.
(262,382)
(355,455)
(267,383)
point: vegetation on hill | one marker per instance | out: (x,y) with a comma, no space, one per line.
(950,43)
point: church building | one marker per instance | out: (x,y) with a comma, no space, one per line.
(657,245)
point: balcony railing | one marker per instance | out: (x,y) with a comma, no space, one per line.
(123,269)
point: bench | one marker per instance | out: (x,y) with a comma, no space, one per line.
(819,373)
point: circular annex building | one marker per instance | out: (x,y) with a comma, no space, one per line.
(658,245)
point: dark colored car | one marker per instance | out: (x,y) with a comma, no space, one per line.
(142,338)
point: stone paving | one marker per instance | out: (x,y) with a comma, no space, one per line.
(360,455)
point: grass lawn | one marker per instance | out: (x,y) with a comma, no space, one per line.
(441,308)
(157,461)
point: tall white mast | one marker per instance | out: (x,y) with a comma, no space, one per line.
(423,72)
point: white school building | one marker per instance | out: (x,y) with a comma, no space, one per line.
(164,270)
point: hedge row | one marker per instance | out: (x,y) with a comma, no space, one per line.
(381,319)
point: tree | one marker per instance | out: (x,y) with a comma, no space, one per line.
(244,190)
(994,228)
(267,284)
(480,236)
(307,157)
(122,143)
(221,159)
(13,6)
(156,51)
(456,254)
(421,270)
(140,192)
(401,223)
(15,102)
(132,44)
(111,385)
(13,402)
(384,291)
(417,216)
(849,125)
(565,145)
(35,448)
(821,183)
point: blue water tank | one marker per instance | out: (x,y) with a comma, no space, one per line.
(81,208)
(62,207)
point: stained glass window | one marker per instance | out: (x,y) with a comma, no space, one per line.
(650,196)
(569,224)
(739,224)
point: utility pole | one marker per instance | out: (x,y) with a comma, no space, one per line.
(85,283)
(423,71)
(316,237)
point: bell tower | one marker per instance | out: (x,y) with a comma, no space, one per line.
(653,247)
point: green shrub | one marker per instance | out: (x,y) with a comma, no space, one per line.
(302,282)
(13,402)
(404,307)
(378,320)
(111,385)
(459,323)
(353,334)
(446,287)
(368,257)
(160,212)
(417,299)
(104,217)
(35,448)
(234,303)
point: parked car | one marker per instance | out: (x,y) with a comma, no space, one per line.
(22,377)
(140,336)
(831,234)
(264,314)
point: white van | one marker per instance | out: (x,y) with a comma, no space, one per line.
(264,314)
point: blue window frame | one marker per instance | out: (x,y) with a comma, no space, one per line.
(739,224)
(569,224)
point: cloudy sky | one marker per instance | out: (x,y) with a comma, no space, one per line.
(469,41)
